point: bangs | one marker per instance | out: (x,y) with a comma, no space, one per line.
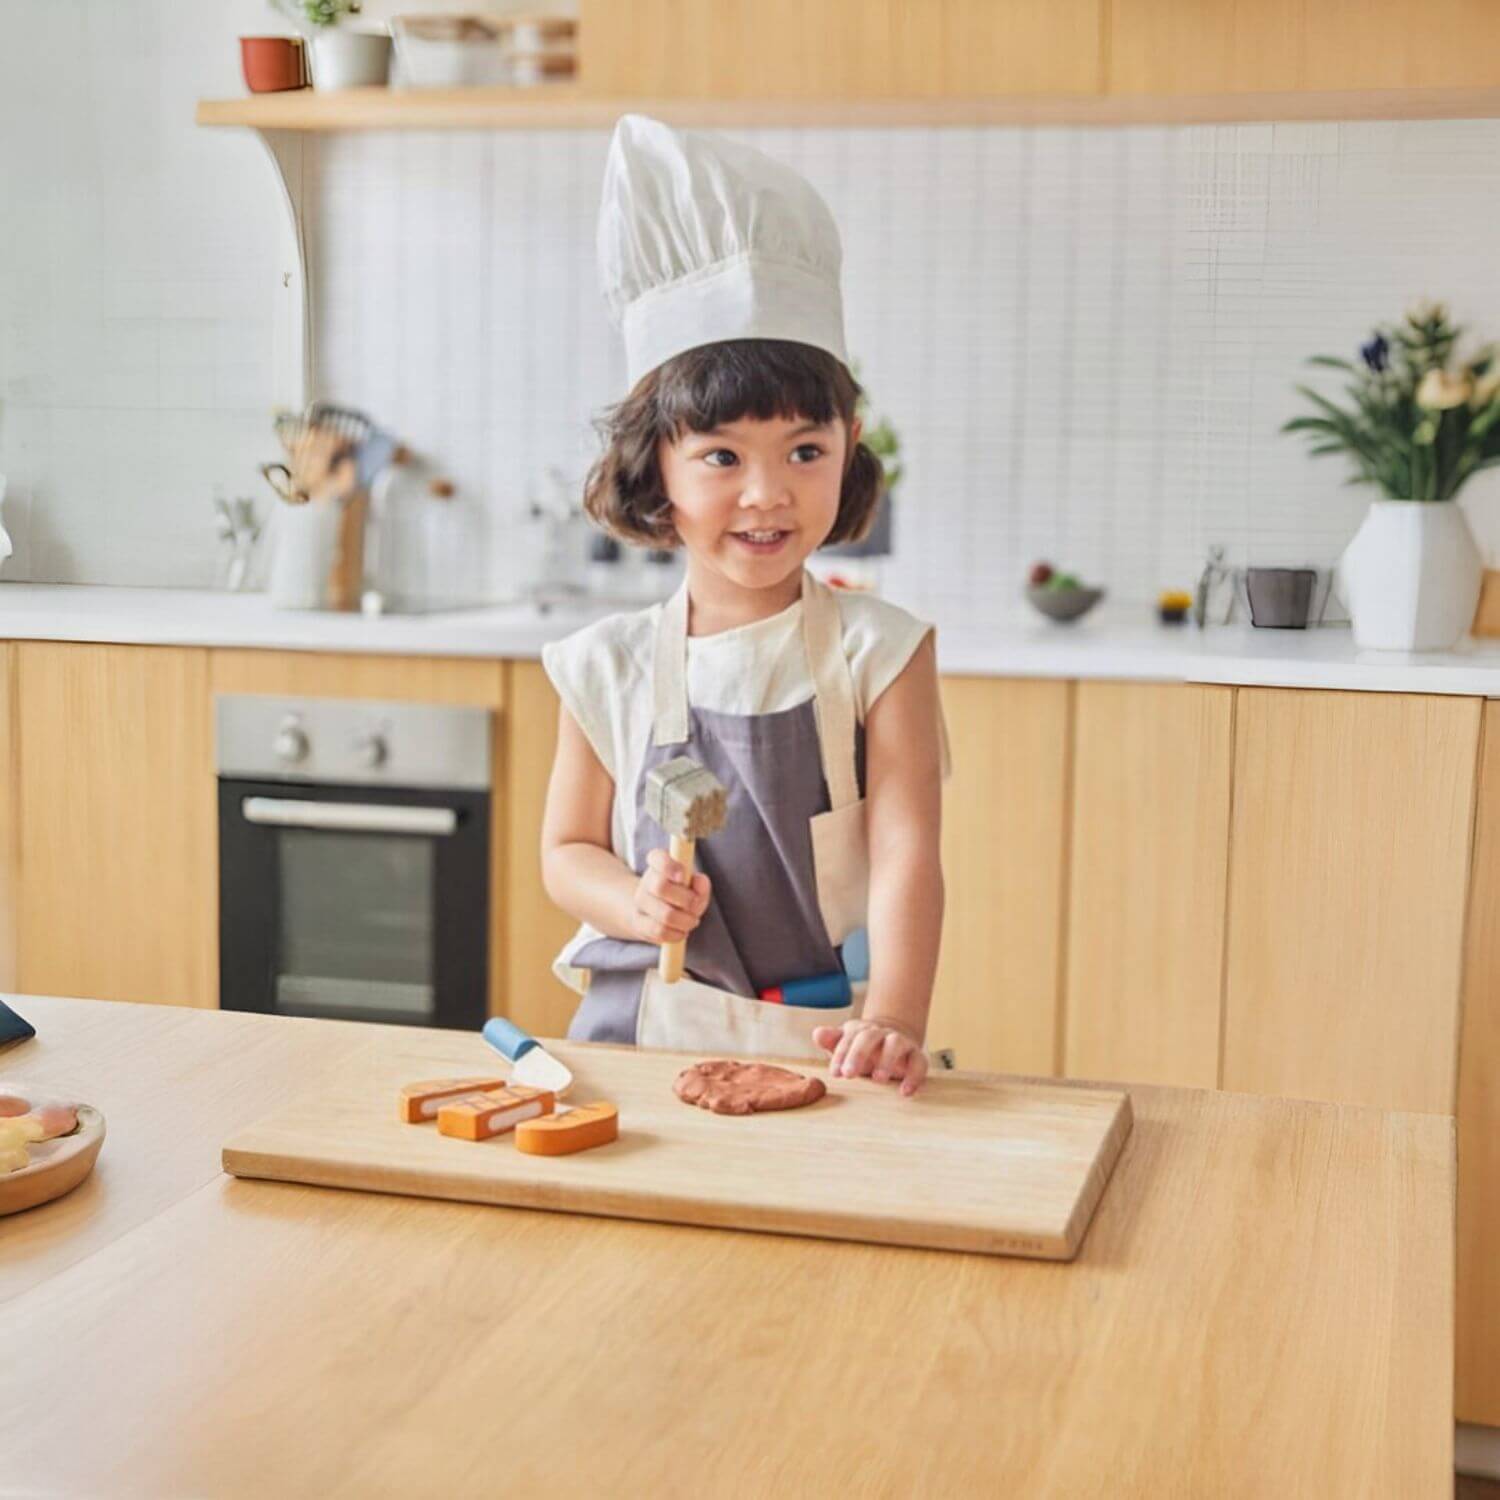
(756,378)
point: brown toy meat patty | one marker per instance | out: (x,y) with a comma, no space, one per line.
(745,1088)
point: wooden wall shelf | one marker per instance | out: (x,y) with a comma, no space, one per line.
(567,107)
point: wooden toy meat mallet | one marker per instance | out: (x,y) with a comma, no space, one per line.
(689,803)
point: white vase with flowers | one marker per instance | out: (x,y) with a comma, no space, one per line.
(1418,425)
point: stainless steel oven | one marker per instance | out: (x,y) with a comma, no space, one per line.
(354,859)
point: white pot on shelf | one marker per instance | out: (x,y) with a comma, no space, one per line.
(1411,576)
(343,58)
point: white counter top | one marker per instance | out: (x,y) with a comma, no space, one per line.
(1111,644)
(205,617)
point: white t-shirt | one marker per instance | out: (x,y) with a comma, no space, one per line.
(602,673)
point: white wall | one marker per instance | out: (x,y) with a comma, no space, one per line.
(1086,338)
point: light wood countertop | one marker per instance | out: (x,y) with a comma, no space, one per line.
(1263,1306)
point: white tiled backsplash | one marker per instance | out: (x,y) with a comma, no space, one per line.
(1086,338)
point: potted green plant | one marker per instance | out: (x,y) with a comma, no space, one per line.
(1418,424)
(341,57)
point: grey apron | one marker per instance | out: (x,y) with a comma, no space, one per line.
(790,868)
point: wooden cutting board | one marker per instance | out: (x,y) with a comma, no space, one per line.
(973,1162)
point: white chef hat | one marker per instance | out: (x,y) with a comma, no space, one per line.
(703,240)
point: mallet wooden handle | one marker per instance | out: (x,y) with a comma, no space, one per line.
(670,967)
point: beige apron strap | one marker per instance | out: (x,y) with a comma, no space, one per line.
(828,666)
(669,673)
(823,639)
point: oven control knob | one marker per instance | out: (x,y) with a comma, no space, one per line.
(370,751)
(291,743)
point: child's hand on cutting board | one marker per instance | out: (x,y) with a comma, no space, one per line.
(668,907)
(876,1049)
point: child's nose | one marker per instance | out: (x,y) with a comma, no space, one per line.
(764,489)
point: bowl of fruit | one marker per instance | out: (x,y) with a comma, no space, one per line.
(1059,595)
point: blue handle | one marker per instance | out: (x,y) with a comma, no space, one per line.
(507,1038)
(826,992)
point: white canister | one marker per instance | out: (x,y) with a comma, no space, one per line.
(5,547)
(303,541)
(343,58)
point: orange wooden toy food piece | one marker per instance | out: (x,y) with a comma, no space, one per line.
(477,1117)
(588,1125)
(421,1101)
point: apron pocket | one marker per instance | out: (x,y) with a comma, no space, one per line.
(841,866)
(693,1017)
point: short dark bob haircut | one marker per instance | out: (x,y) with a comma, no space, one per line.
(707,388)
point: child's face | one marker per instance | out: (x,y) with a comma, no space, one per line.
(753,500)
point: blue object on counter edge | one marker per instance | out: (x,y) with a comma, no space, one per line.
(507,1038)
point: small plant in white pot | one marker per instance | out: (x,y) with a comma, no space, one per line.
(1419,425)
(342,58)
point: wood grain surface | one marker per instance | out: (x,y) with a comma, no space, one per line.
(10,817)
(535,929)
(1005,817)
(1349,860)
(171,1088)
(119,834)
(1479,1108)
(1235,46)
(565,107)
(990,1165)
(843,49)
(1147,872)
(1261,1308)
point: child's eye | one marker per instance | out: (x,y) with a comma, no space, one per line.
(720,458)
(805,453)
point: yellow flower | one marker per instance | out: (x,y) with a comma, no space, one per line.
(1485,390)
(1440,391)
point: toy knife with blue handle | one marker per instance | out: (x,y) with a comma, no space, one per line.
(531,1063)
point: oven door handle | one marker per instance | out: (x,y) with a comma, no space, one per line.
(352,817)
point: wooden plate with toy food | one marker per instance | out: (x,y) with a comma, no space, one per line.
(47,1147)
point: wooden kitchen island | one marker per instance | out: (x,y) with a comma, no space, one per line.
(1263,1306)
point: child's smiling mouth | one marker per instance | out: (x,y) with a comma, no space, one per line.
(762,542)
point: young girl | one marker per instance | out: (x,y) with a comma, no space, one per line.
(818,711)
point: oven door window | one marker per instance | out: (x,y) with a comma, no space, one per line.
(356,926)
(338,903)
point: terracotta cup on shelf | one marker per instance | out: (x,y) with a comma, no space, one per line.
(272,64)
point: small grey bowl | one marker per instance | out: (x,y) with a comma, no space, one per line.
(1062,605)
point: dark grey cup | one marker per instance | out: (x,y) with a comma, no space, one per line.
(1280,598)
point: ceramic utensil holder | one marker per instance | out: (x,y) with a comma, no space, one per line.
(305,542)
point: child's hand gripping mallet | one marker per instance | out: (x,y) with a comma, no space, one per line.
(689,803)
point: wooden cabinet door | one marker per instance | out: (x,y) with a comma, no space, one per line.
(1148,866)
(118,838)
(10,823)
(1349,858)
(1004,831)
(1274,46)
(839,49)
(536,928)
(474,682)
(1478,1369)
